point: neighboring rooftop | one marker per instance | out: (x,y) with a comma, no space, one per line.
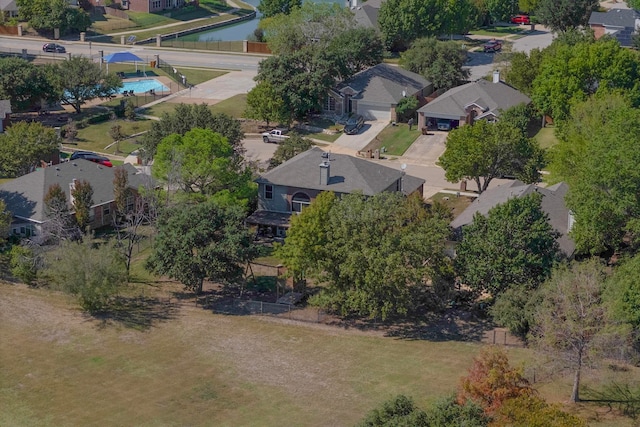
(553,205)
(24,195)
(5,107)
(347,174)
(384,83)
(492,97)
(619,23)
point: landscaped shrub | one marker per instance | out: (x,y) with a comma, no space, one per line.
(99,118)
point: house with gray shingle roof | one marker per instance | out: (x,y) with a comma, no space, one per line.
(292,186)
(619,23)
(24,196)
(553,205)
(5,114)
(479,100)
(9,8)
(375,92)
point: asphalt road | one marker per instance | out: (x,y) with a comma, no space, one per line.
(226,61)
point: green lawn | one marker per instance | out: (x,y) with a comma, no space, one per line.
(546,137)
(498,31)
(165,364)
(395,139)
(96,137)
(233,106)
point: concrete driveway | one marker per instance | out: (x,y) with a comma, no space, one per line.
(426,149)
(220,88)
(367,134)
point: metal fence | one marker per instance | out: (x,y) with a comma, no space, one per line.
(261,308)
(174,73)
(219,45)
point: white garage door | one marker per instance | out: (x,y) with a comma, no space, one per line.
(371,112)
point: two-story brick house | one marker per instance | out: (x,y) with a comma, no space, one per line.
(291,187)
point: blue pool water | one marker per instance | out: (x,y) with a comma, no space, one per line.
(142,86)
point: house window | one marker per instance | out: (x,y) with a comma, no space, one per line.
(130,200)
(268,191)
(330,103)
(299,202)
(92,214)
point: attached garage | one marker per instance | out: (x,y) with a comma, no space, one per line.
(374,112)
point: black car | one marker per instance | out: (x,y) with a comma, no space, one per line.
(354,124)
(52,47)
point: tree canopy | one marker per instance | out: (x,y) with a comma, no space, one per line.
(23,146)
(439,62)
(513,246)
(597,156)
(188,116)
(569,74)
(24,84)
(373,253)
(289,148)
(563,15)
(201,161)
(269,8)
(265,103)
(50,14)
(486,151)
(200,242)
(80,80)
(403,21)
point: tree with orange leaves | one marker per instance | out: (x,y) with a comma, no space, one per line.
(491,381)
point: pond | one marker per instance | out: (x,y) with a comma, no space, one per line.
(242,31)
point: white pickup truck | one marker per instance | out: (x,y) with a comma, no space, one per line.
(276,135)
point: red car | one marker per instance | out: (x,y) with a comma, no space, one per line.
(520,19)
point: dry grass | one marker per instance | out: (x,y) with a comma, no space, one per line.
(59,367)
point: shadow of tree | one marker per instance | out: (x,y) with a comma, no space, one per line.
(449,325)
(620,395)
(139,312)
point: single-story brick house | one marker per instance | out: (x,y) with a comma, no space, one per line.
(375,92)
(621,24)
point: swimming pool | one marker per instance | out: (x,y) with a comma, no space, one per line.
(142,86)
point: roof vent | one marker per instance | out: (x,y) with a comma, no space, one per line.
(325,154)
(75,164)
(57,168)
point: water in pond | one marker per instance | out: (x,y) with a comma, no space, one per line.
(242,31)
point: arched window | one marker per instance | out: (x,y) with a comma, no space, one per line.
(299,201)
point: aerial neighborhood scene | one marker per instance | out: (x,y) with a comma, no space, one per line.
(320,213)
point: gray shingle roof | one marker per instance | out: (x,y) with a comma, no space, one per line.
(552,203)
(8,5)
(384,83)
(486,94)
(620,18)
(367,15)
(5,108)
(24,195)
(347,174)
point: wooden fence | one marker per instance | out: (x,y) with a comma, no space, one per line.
(8,31)
(257,47)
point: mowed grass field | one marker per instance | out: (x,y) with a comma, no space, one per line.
(59,367)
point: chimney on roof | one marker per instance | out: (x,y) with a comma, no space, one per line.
(496,76)
(325,173)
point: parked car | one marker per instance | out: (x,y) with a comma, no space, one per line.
(444,125)
(276,135)
(92,157)
(354,124)
(520,19)
(52,47)
(492,46)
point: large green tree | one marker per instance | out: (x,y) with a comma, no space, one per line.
(23,146)
(403,21)
(265,103)
(571,320)
(5,220)
(513,246)
(82,200)
(23,83)
(501,10)
(201,242)
(379,253)
(486,151)
(440,62)
(597,156)
(269,8)
(51,14)
(563,15)
(188,116)
(201,161)
(572,73)
(80,80)
(523,69)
